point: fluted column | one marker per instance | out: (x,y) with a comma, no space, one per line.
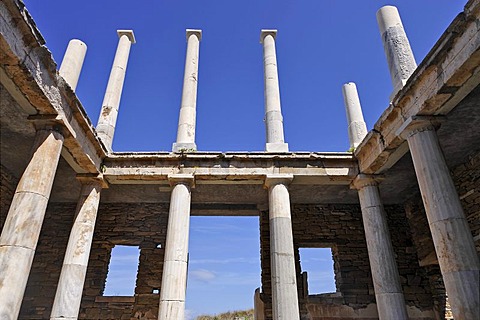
(187,119)
(21,231)
(357,129)
(174,278)
(111,101)
(454,245)
(386,280)
(273,112)
(72,62)
(401,61)
(72,277)
(284,279)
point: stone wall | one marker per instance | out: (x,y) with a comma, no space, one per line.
(340,227)
(8,184)
(142,225)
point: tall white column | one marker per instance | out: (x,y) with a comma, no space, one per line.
(174,278)
(187,119)
(72,278)
(357,129)
(386,280)
(284,279)
(401,61)
(273,112)
(72,62)
(111,101)
(24,220)
(454,245)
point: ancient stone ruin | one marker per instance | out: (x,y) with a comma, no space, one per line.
(401,212)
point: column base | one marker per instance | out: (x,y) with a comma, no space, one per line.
(276,147)
(182,147)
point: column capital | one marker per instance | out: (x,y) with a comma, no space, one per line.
(86,178)
(196,32)
(364,180)
(267,32)
(186,179)
(417,124)
(274,179)
(51,122)
(128,33)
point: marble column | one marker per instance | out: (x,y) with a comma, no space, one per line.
(386,280)
(284,282)
(273,112)
(72,277)
(401,61)
(454,245)
(21,231)
(357,129)
(187,119)
(72,62)
(174,278)
(111,101)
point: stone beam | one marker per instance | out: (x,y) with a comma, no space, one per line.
(446,76)
(29,74)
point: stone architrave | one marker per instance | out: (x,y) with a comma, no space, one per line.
(273,112)
(72,62)
(386,280)
(174,278)
(72,277)
(187,119)
(284,278)
(111,101)
(21,231)
(400,59)
(452,238)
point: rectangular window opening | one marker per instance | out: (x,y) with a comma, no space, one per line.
(318,263)
(122,271)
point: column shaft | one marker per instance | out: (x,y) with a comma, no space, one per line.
(187,118)
(400,59)
(357,129)
(24,220)
(174,278)
(111,101)
(284,282)
(72,278)
(451,234)
(386,280)
(72,62)
(273,112)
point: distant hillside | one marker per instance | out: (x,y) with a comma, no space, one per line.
(231,315)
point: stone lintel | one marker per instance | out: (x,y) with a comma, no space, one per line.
(197,32)
(274,179)
(184,147)
(93,177)
(266,32)
(415,124)
(186,179)
(363,180)
(128,33)
(276,147)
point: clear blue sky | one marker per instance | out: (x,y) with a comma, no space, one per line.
(320,46)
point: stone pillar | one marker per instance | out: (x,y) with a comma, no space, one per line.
(187,119)
(401,61)
(454,245)
(174,278)
(284,278)
(72,278)
(386,280)
(357,129)
(24,220)
(111,102)
(273,112)
(72,62)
